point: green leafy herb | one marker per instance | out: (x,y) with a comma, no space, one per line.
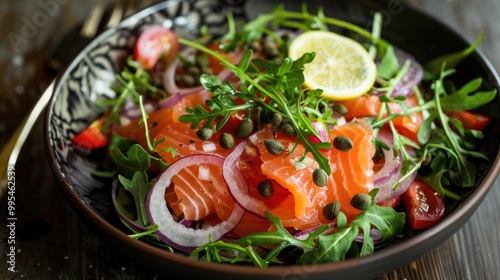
(317,247)
(466,169)
(264,80)
(134,82)
(134,177)
(434,67)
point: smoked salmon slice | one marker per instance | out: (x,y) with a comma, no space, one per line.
(295,199)
(352,173)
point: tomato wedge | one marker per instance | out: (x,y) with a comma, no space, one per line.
(93,137)
(155,43)
(369,105)
(424,207)
(471,120)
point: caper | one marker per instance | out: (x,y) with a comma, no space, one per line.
(193,71)
(265,188)
(320,178)
(226,141)
(276,119)
(339,108)
(269,48)
(361,201)
(274,146)
(207,70)
(331,210)
(288,129)
(254,46)
(205,133)
(244,129)
(342,143)
(271,51)
(188,80)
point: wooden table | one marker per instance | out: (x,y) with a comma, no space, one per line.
(52,242)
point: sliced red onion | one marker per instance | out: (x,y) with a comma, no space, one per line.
(187,223)
(169,76)
(133,225)
(132,111)
(375,235)
(303,234)
(170,101)
(390,173)
(238,186)
(323,131)
(413,76)
(177,234)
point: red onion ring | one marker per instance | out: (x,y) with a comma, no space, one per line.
(132,111)
(170,101)
(304,234)
(390,173)
(238,186)
(375,235)
(177,234)
(412,77)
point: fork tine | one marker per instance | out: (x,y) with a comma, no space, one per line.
(134,6)
(118,13)
(91,25)
(58,60)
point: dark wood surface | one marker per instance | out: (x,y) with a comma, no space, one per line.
(52,242)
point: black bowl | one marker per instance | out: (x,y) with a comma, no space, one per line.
(90,75)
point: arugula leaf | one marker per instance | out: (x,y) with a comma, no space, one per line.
(389,65)
(434,67)
(467,97)
(137,159)
(133,174)
(334,247)
(331,248)
(139,187)
(317,247)
(466,169)
(275,86)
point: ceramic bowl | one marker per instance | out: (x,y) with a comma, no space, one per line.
(91,74)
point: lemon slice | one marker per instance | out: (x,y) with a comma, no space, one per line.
(342,68)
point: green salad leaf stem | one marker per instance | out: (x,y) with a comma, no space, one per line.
(318,247)
(286,100)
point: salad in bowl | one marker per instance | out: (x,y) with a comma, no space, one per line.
(293,138)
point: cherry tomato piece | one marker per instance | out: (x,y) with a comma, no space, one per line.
(155,43)
(93,137)
(370,105)
(393,202)
(471,120)
(424,207)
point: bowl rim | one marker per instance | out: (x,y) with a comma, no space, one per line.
(455,220)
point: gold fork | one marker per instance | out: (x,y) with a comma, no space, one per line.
(90,28)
